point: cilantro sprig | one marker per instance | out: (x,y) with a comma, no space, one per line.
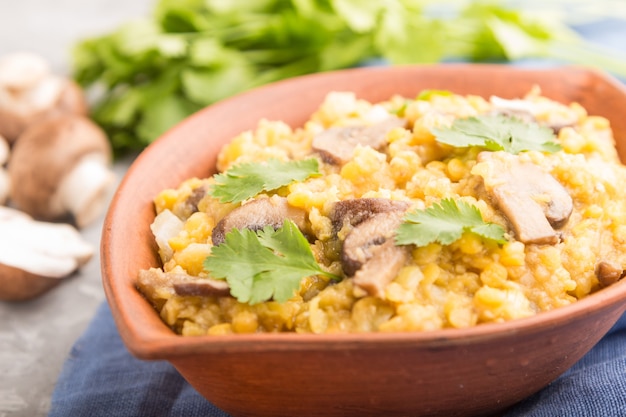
(246,180)
(498,133)
(263,265)
(445,223)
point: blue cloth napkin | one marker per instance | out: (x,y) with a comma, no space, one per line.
(101,379)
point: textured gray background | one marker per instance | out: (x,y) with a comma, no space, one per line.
(36,336)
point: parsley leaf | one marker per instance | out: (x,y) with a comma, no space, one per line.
(445,223)
(266,264)
(498,133)
(246,180)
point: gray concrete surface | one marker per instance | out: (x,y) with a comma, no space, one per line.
(36,336)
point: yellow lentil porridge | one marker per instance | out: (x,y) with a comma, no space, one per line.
(378,216)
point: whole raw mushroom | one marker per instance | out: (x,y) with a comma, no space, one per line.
(30,92)
(35,256)
(60,168)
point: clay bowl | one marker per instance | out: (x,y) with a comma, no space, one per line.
(449,372)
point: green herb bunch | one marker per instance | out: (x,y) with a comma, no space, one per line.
(153,72)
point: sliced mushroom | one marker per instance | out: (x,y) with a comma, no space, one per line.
(202,287)
(382,268)
(257,214)
(355,211)
(534,202)
(35,256)
(61,167)
(527,111)
(609,272)
(29,92)
(152,281)
(191,203)
(336,144)
(370,255)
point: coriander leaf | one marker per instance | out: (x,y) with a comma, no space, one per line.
(498,133)
(445,223)
(266,264)
(246,180)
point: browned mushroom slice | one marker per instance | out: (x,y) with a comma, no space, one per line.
(534,202)
(257,214)
(609,272)
(525,111)
(191,203)
(369,254)
(382,268)
(355,211)
(204,287)
(336,144)
(153,283)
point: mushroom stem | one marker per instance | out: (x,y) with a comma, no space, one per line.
(83,191)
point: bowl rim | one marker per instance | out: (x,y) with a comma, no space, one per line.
(151,340)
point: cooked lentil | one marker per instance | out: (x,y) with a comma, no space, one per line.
(466,283)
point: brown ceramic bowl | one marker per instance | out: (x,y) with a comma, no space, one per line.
(450,372)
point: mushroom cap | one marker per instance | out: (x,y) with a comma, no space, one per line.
(370,255)
(608,272)
(337,144)
(44,154)
(258,213)
(533,201)
(53,96)
(72,100)
(35,256)
(354,211)
(20,70)
(19,285)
